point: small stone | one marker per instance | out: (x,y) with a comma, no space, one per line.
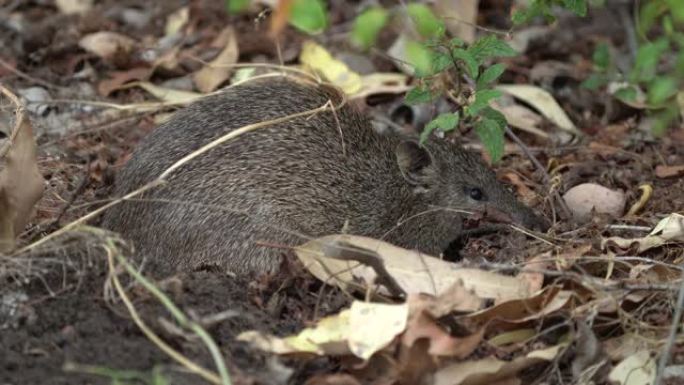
(582,198)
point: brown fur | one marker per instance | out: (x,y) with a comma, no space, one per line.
(285,180)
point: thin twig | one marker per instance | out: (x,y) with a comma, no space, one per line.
(676,324)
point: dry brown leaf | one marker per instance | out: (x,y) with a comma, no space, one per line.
(512,313)
(21,183)
(361,330)
(176,21)
(668,230)
(422,325)
(637,369)
(332,379)
(664,171)
(212,75)
(460,17)
(70,7)
(415,272)
(168,95)
(106,44)
(490,370)
(543,102)
(119,78)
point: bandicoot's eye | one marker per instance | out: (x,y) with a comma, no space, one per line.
(476,194)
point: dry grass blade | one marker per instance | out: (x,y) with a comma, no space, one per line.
(223,378)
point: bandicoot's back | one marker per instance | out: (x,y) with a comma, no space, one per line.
(303,177)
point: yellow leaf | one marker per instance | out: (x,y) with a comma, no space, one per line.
(319,60)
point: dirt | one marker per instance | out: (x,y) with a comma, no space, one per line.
(62,338)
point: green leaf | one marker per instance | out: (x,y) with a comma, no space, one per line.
(367,26)
(490,113)
(482,98)
(628,93)
(490,74)
(491,133)
(419,94)
(579,7)
(677,9)
(420,57)
(535,9)
(488,47)
(444,122)
(237,6)
(601,57)
(661,89)
(456,43)
(427,23)
(646,63)
(309,16)
(469,62)
(595,81)
(441,61)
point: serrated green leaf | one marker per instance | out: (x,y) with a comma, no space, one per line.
(661,89)
(646,63)
(491,133)
(490,113)
(601,57)
(628,94)
(490,74)
(309,16)
(456,43)
(482,98)
(367,26)
(677,9)
(441,61)
(579,7)
(595,81)
(237,6)
(420,57)
(419,94)
(648,14)
(427,131)
(523,16)
(444,122)
(469,62)
(427,24)
(488,47)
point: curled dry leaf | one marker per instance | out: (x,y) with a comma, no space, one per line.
(169,95)
(584,198)
(212,75)
(543,102)
(513,313)
(521,117)
(668,230)
(106,44)
(422,324)
(637,369)
(21,183)
(176,21)
(415,272)
(664,171)
(491,370)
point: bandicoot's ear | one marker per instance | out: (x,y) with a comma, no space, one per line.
(416,163)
